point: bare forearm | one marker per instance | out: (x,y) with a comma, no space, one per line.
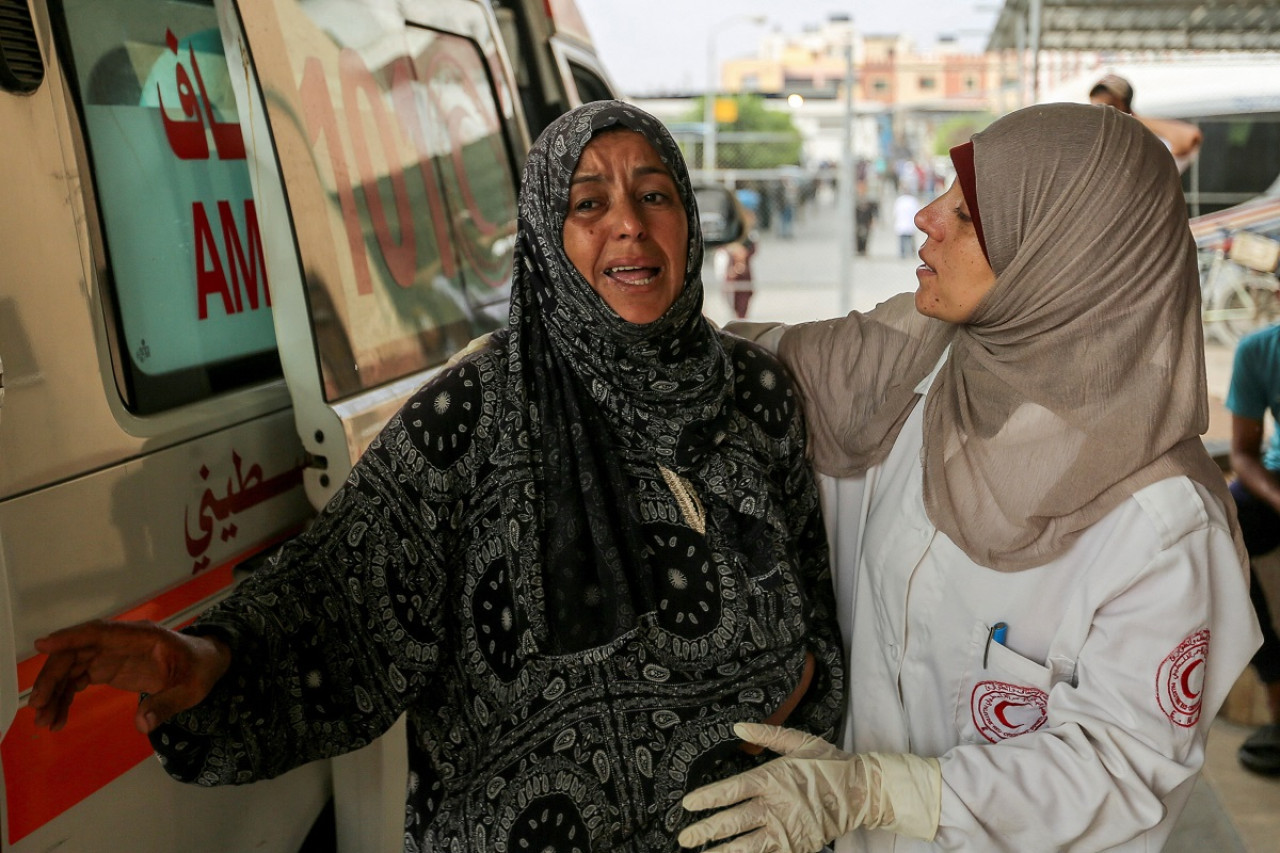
(1260,482)
(1183,137)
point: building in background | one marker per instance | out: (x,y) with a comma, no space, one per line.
(910,105)
(900,97)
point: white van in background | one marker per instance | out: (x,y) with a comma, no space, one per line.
(1234,98)
(234,237)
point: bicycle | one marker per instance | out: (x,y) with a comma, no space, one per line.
(1240,292)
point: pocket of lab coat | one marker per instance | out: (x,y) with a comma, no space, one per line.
(1002,694)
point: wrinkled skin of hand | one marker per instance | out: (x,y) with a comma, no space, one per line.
(176,670)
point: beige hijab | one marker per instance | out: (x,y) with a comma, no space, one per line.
(1080,378)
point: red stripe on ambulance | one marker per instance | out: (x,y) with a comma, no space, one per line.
(46,773)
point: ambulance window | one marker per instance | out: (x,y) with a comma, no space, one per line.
(541,103)
(479,178)
(184,269)
(590,86)
(428,228)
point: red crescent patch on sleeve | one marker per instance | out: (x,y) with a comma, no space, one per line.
(1002,710)
(1180,680)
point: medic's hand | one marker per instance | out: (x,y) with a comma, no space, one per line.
(177,670)
(814,794)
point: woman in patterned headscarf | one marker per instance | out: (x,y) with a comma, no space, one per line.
(1047,594)
(575,558)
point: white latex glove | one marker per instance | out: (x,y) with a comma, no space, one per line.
(813,794)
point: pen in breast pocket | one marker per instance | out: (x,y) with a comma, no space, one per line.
(996,634)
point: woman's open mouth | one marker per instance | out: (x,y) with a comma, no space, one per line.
(634,276)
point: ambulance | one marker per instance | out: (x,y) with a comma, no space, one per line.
(234,237)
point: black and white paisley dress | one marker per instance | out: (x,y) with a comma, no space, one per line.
(574,560)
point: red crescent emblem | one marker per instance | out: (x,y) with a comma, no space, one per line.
(1002,710)
(1193,669)
(1180,680)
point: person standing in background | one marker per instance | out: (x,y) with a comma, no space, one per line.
(1255,388)
(865,213)
(789,200)
(732,264)
(1181,138)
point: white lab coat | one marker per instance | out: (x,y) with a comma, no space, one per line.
(1086,730)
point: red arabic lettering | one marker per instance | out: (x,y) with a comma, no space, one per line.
(188,138)
(246,490)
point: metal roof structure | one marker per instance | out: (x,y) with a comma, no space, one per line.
(1136,25)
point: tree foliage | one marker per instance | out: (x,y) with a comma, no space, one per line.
(957,130)
(782,148)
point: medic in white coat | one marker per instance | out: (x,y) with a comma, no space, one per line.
(1042,590)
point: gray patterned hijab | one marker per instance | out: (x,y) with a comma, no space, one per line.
(1080,377)
(598,400)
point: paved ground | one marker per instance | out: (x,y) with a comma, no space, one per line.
(1231,810)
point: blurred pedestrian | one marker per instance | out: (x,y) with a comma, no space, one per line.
(732,265)
(787,215)
(733,268)
(865,213)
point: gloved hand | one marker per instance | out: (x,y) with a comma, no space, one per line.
(814,794)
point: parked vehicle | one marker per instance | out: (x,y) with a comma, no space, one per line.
(1234,98)
(237,235)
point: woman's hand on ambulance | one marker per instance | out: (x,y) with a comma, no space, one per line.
(174,671)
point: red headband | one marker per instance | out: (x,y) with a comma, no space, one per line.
(962,159)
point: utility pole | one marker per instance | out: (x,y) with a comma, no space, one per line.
(713,89)
(847,200)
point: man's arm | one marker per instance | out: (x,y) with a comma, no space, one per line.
(1246,461)
(1183,138)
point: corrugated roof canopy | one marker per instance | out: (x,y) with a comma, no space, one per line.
(1124,25)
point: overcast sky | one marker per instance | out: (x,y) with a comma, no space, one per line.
(661,45)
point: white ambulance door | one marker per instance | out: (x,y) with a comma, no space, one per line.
(399,139)
(552,57)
